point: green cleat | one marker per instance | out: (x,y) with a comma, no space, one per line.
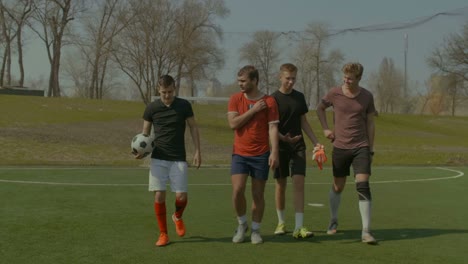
(302,233)
(280,229)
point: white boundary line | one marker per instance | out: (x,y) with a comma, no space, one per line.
(458,175)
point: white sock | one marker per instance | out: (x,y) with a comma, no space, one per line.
(280,214)
(365,210)
(255,226)
(299,220)
(242,219)
(335,200)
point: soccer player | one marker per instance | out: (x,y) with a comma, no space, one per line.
(169,115)
(254,118)
(353,143)
(292,109)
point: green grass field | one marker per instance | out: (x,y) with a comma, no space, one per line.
(71,192)
(105,215)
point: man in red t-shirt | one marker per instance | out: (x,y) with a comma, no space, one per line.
(254,118)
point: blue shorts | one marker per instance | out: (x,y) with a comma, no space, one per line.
(256,166)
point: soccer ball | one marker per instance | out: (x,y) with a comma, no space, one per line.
(142,144)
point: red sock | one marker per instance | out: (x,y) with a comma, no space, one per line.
(160,211)
(179,207)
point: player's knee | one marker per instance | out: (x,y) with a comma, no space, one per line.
(181,197)
(337,188)
(363,190)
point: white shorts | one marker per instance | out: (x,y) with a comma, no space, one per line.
(164,171)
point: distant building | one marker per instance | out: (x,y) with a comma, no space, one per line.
(15,90)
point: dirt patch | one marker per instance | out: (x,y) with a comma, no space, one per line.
(87,143)
(80,133)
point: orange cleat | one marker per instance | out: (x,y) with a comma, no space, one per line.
(179,224)
(163,240)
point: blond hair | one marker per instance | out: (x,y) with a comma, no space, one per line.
(353,68)
(288,67)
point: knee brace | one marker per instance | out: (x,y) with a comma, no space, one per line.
(363,190)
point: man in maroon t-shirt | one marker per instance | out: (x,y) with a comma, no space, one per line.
(353,143)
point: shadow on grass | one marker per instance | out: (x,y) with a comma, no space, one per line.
(203,239)
(343,236)
(384,235)
(267,238)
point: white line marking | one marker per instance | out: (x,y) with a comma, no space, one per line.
(315,204)
(76,184)
(458,175)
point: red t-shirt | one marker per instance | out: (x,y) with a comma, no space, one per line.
(252,139)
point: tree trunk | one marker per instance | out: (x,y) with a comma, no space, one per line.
(454,104)
(54,86)
(8,63)
(103,76)
(20,56)
(2,70)
(179,77)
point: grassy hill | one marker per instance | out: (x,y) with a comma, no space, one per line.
(74,131)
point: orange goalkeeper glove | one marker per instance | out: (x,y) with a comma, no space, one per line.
(319,156)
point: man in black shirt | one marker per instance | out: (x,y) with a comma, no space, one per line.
(168,116)
(292,109)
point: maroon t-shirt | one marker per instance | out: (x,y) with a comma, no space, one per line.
(350,117)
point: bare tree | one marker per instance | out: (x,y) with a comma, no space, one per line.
(262,52)
(53,18)
(451,61)
(170,37)
(197,36)
(452,56)
(436,98)
(99,30)
(8,36)
(442,94)
(144,50)
(388,84)
(317,65)
(19,12)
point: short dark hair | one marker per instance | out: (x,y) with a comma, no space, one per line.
(251,72)
(166,81)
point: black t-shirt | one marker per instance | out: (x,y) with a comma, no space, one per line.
(291,107)
(169,128)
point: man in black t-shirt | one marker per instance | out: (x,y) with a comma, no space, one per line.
(292,109)
(168,116)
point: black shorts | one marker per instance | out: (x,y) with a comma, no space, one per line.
(291,163)
(343,159)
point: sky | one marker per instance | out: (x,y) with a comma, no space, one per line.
(368,48)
